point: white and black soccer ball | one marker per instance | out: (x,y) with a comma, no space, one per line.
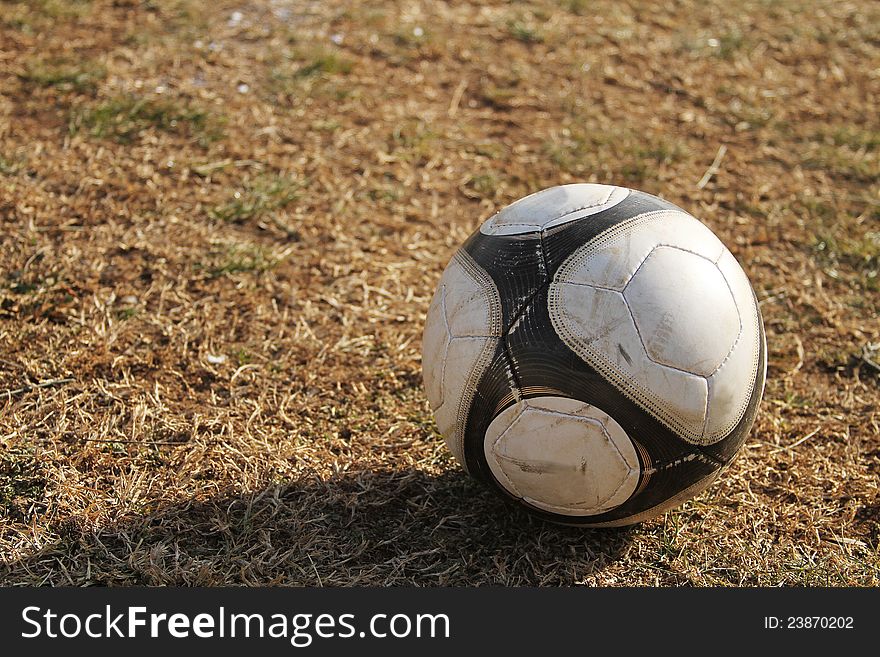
(595,353)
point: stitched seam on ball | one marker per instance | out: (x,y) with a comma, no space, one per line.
(470,388)
(629,470)
(487,286)
(708,404)
(578,209)
(651,252)
(592,285)
(645,347)
(578,413)
(646,398)
(593,357)
(738,316)
(590,248)
(717,435)
(657,399)
(756,352)
(579,506)
(448,341)
(682,494)
(730,352)
(676,499)
(678,369)
(648,401)
(582,207)
(516,418)
(588,342)
(536,226)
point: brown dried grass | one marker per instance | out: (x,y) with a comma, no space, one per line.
(235,278)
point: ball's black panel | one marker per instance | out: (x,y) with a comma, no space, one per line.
(532,361)
(515,263)
(495,392)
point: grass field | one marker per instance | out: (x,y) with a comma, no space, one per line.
(221,224)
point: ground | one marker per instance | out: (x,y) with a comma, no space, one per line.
(221,224)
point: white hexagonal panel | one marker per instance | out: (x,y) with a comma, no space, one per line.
(462,330)
(683,309)
(597,325)
(562,455)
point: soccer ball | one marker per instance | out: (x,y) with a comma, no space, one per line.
(594,353)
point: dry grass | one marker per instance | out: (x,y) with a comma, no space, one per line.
(225,228)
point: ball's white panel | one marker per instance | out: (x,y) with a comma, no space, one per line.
(683,309)
(553,207)
(730,386)
(690,353)
(597,325)
(562,455)
(462,330)
(613,257)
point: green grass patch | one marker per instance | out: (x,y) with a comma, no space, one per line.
(127,313)
(64,75)
(577,7)
(411,37)
(388,193)
(500,92)
(243,357)
(727,44)
(845,246)
(524,32)
(414,141)
(31,15)
(22,481)
(122,119)
(9,167)
(841,161)
(482,186)
(237,259)
(327,64)
(499,97)
(854,137)
(858,253)
(313,73)
(743,107)
(633,156)
(260,196)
